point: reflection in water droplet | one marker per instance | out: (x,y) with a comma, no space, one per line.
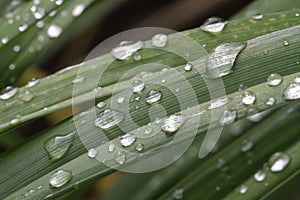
(108,118)
(60,178)
(153,96)
(126,49)
(274,79)
(92,153)
(260,176)
(221,60)
(248,98)
(127,139)
(172,123)
(58,146)
(279,161)
(159,40)
(213,25)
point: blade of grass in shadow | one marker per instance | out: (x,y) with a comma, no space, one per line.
(266,56)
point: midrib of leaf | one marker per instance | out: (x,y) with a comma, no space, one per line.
(236,31)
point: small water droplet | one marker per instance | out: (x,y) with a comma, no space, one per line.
(217,103)
(54,31)
(188,67)
(16,48)
(242,87)
(270,101)
(153,96)
(178,194)
(213,25)
(108,118)
(172,123)
(33,82)
(292,91)
(60,178)
(279,161)
(286,43)
(137,56)
(59,2)
(297,80)
(101,104)
(120,99)
(221,60)
(228,117)
(139,147)
(40,24)
(297,14)
(248,98)
(260,176)
(159,40)
(38,12)
(16,120)
(78,79)
(138,86)
(78,9)
(247,145)
(25,96)
(148,131)
(274,79)
(120,157)
(23,27)
(8,93)
(243,189)
(257,16)
(92,153)
(127,139)
(111,147)
(222,165)
(4,40)
(126,49)
(57,146)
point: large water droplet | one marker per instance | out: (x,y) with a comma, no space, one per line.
(292,92)
(172,123)
(8,93)
(274,79)
(278,161)
(248,98)
(127,139)
(60,178)
(92,153)
(120,157)
(228,117)
(153,96)
(178,194)
(138,86)
(213,25)
(159,40)
(260,176)
(58,146)
(54,31)
(221,60)
(126,49)
(108,118)
(78,9)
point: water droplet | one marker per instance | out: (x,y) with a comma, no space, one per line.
(172,123)
(260,176)
(153,96)
(16,120)
(242,87)
(297,14)
(139,147)
(127,139)
(54,31)
(297,80)
(274,79)
(23,27)
(188,67)
(78,9)
(40,24)
(25,96)
(108,118)
(159,40)
(178,194)
(286,43)
(59,2)
(228,117)
(243,189)
(92,153)
(78,79)
(60,178)
(111,147)
(8,93)
(12,67)
(120,157)
(126,49)
(257,16)
(38,12)
(221,60)
(138,86)
(213,25)
(120,99)
(148,131)
(247,145)
(4,40)
(33,82)
(292,91)
(101,104)
(248,98)
(270,101)
(217,103)
(58,146)
(16,48)
(278,161)
(222,165)
(137,56)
